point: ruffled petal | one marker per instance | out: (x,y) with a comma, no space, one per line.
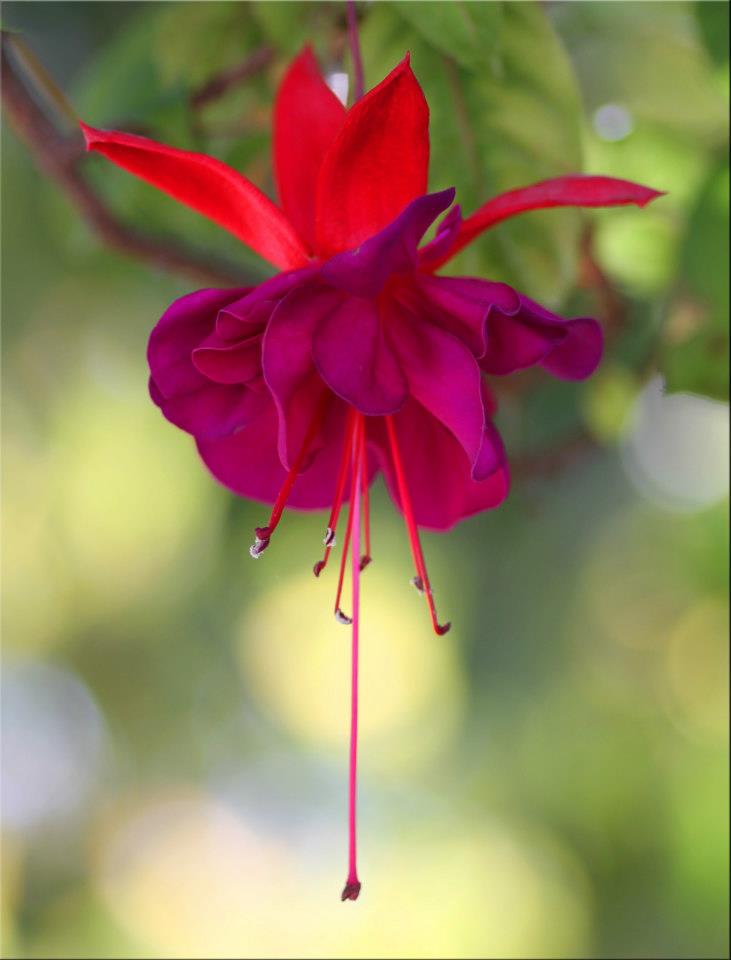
(250,313)
(447,231)
(461,305)
(225,362)
(354,358)
(288,367)
(185,325)
(307,118)
(212,188)
(377,164)
(212,410)
(570,349)
(248,462)
(571,191)
(442,376)
(438,471)
(365,270)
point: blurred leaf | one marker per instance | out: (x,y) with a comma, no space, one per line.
(645,56)
(121,81)
(713,24)
(505,112)
(288,25)
(696,360)
(198,40)
(468,32)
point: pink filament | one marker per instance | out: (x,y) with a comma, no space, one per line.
(413,531)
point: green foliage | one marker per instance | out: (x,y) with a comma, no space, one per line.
(695,356)
(713,23)
(505,112)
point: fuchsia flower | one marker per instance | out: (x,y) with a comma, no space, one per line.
(356,359)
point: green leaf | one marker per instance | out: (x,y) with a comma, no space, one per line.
(695,356)
(468,32)
(505,112)
(712,19)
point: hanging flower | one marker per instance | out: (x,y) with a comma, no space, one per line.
(355,359)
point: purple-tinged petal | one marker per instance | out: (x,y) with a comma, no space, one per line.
(442,376)
(248,462)
(249,314)
(212,411)
(570,349)
(578,356)
(462,305)
(354,358)
(438,472)
(437,249)
(183,326)
(288,366)
(230,363)
(364,271)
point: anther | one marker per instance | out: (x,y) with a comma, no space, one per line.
(342,618)
(418,583)
(318,567)
(350,891)
(365,560)
(258,547)
(329,538)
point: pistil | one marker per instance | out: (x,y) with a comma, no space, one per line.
(352,884)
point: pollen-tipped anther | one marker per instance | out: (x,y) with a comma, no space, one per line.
(417,583)
(350,891)
(258,546)
(329,538)
(342,617)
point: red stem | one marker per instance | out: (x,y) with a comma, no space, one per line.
(354,40)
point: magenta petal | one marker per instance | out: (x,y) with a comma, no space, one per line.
(250,313)
(183,326)
(364,271)
(353,358)
(229,362)
(462,305)
(212,411)
(289,370)
(437,471)
(447,231)
(442,375)
(570,349)
(248,462)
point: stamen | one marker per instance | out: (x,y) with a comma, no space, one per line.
(263,535)
(339,615)
(352,884)
(421,580)
(345,458)
(366,558)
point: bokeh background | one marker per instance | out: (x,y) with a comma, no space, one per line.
(551,778)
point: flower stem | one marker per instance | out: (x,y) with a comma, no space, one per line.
(354,40)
